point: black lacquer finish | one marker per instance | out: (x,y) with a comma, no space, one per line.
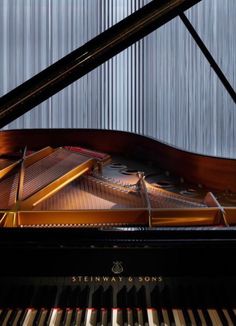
(195,251)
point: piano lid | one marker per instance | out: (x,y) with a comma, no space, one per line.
(89,56)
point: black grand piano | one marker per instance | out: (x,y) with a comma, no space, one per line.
(101,227)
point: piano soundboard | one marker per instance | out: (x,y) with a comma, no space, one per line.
(72,186)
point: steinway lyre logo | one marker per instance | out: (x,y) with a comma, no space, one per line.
(117,267)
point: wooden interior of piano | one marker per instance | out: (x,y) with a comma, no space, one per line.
(79,186)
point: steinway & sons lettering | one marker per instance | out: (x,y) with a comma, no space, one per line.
(116,279)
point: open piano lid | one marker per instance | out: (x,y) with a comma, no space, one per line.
(89,56)
(34,232)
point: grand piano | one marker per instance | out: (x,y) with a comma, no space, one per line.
(101,227)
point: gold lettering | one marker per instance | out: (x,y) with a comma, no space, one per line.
(97,279)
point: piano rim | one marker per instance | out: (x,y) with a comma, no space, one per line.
(212,172)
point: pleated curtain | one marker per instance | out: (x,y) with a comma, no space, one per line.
(162,86)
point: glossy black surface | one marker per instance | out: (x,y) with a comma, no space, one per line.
(164,251)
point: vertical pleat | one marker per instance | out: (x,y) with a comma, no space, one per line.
(162,86)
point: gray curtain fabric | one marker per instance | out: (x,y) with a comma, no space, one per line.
(162,86)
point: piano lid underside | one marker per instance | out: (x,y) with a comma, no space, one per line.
(78,187)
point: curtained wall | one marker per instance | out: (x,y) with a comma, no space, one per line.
(162,86)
